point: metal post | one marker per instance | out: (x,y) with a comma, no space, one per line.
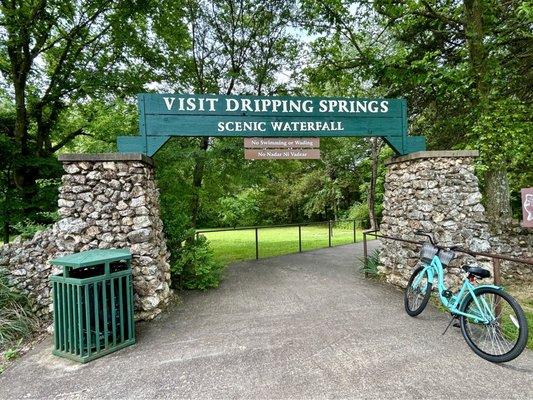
(329,233)
(300,238)
(365,250)
(256,245)
(497,272)
(354,237)
(497,282)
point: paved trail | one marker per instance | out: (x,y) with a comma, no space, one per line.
(300,326)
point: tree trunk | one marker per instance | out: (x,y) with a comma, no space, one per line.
(6,230)
(476,47)
(197,178)
(371,199)
(498,200)
(25,176)
(20,130)
(497,193)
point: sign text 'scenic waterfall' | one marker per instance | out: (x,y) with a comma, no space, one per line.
(162,116)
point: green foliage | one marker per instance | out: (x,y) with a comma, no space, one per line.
(359,212)
(240,210)
(504,136)
(465,88)
(28,228)
(63,79)
(12,353)
(16,319)
(371,267)
(196,267)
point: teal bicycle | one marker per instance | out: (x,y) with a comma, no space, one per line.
(491,320)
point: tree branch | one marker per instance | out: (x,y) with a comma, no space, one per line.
(71,136)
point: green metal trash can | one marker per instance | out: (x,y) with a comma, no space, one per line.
(93,304)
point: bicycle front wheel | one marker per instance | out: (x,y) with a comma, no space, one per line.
(417,292)
(498,333)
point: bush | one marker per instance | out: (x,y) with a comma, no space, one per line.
(240,210)
(16,319)
(371,268)
(27,228)
(191,260)
(195,267)
(359,212)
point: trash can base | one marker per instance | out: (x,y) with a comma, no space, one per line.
(101,353)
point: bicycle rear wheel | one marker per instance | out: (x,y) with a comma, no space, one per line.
(503,336)
(416,295)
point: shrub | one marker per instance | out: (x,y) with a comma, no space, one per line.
(16,319)
(359,212)
(27,228)
(371,268)
(240,210)
(195,267)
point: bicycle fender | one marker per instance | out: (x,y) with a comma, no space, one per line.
(463,300)
(429,270)
(488,286)
(431,277)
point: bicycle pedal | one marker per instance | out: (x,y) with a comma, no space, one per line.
(447,294)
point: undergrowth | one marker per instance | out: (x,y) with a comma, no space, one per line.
(17,323)
(371,267)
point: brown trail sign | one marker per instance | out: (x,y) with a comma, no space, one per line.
(282,154)
(281,143)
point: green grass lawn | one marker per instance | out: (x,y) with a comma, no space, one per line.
(521,291)
(232,246)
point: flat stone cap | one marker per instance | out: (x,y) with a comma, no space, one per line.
(433,154)
(96,157)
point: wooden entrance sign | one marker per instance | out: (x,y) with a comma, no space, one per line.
(162,116)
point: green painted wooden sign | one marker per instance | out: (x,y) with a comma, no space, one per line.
(162,116)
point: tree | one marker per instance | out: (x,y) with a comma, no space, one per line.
(493,37)
(55,56)
(237,46)
(459,64)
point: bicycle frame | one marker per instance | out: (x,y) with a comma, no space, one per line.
(453,304)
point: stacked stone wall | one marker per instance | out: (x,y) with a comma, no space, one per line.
(438,192)
(514,241)
(105,201)
(26,266)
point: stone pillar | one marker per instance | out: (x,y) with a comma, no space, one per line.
(435,191)
(111,201)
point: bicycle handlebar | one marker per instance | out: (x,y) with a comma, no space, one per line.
(432,240)
(427,234)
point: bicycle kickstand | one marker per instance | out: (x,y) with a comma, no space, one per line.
(454,317)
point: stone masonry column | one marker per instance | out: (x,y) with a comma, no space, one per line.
(435,191)
(111,201)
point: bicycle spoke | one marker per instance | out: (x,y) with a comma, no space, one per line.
(415,295)
(497,331)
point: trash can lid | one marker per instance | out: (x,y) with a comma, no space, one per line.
(92,257)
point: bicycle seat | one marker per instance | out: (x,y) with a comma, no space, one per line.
(476,271)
